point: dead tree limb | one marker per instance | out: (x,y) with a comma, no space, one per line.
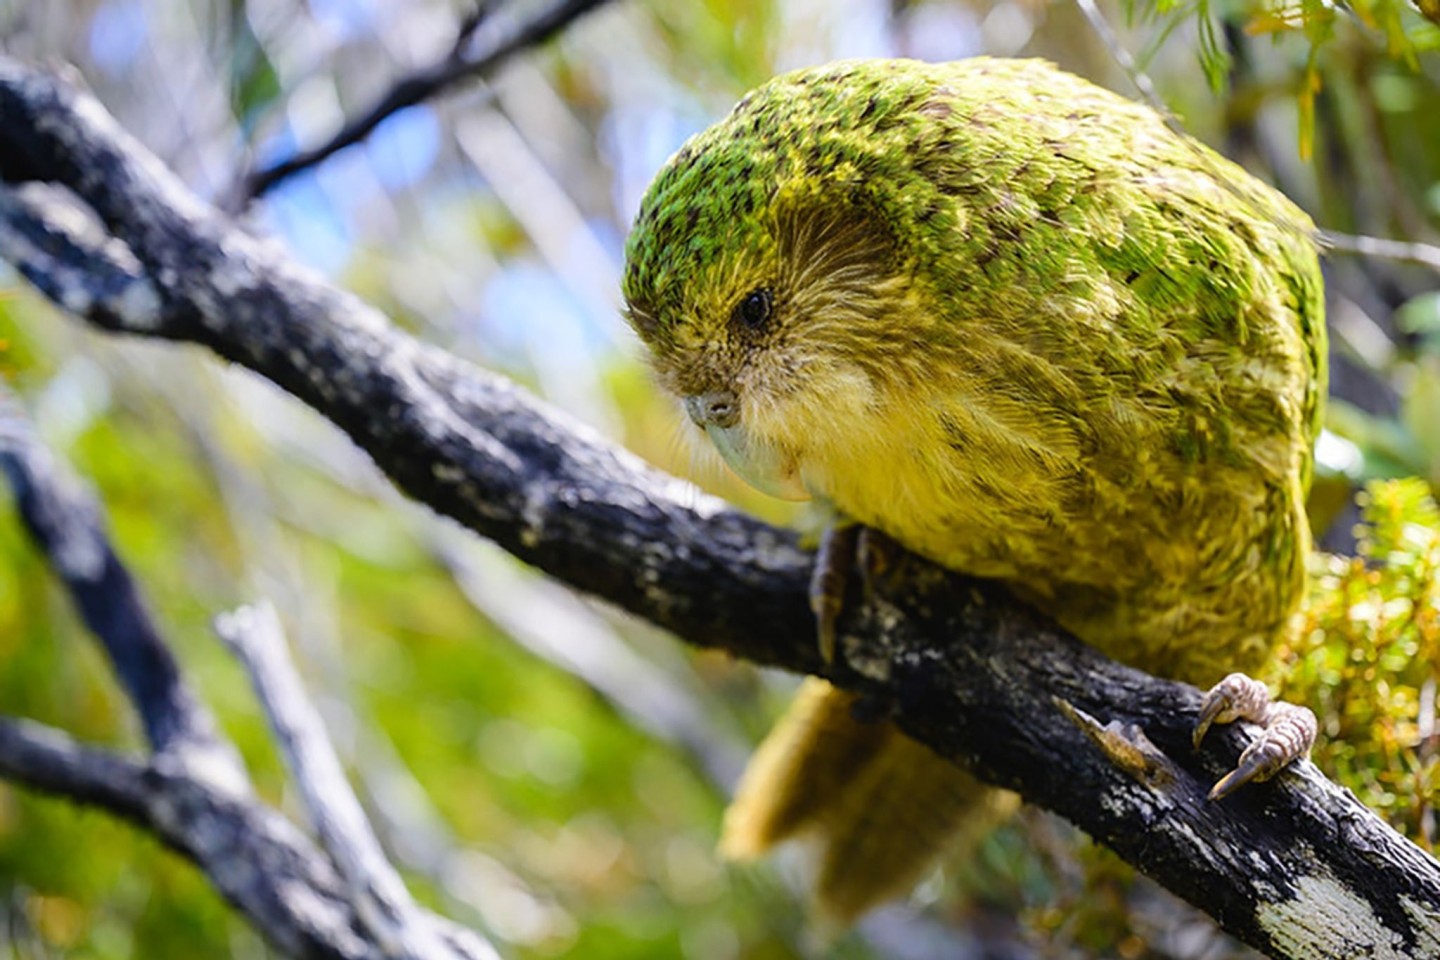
(191,791)
(65,524)
(1297,868)
(256,858)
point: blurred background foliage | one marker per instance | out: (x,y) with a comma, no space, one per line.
(541,767)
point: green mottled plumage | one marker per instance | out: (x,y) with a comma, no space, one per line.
(1019,324)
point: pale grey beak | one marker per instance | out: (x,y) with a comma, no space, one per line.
(719,408)
(761,466)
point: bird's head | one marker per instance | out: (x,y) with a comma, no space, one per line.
(765,276)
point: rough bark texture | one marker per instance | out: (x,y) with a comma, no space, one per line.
(1298,867)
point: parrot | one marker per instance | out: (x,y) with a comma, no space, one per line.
(1028,330)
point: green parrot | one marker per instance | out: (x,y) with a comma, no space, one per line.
(1027,330)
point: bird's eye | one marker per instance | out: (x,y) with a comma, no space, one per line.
(754,310)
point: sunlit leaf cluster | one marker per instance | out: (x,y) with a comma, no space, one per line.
(1366,658)
(1405,30)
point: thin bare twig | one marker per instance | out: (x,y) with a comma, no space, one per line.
(192,793)
(1401,251)
(377,893)
(460,64)
(1098,22)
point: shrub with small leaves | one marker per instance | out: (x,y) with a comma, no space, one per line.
(1365,656)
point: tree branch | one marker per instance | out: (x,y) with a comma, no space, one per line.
(1401,251)
(391,918)
(460,64)
(1297,867)
(465,442)
(192,792)
(66,525)
(254,857)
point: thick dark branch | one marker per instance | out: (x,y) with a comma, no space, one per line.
(459,65)
(461,440)
(48,760)
(1297,867)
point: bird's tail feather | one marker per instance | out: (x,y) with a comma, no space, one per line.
(880,808)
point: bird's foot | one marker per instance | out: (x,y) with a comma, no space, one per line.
(1288,730)
(846,548)
(830,581)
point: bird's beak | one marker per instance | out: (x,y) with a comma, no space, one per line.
(761,465)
